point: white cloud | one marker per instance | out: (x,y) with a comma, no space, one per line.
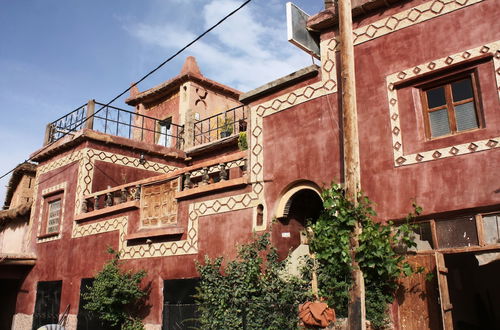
(246,51)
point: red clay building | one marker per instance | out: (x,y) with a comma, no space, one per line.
(167,184)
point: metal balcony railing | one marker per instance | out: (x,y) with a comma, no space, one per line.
(221,125)
(119,122)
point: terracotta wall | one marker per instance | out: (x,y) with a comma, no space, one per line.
(441,185)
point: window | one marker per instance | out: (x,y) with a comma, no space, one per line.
(180,310)
(48,300)
(52,213)
(54,216)
(451,106)
(491,225)
(165,132)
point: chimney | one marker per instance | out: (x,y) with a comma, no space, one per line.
(328,4)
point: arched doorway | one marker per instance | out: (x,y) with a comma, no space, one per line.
(300,205)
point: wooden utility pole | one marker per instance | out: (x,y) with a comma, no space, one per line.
(356,308)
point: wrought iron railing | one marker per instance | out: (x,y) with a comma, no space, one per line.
(221,125)
(71,122)
(120,122)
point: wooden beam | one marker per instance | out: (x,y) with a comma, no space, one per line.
(90,114)
(356,308)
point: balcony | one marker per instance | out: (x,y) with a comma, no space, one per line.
(128,124)
(221,125)
(119,122)
(156,199)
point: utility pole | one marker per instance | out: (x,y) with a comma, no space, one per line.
(356,308)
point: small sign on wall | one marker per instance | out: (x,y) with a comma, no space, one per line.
(285,234)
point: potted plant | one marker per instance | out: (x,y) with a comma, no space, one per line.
(226,128)
(243,125)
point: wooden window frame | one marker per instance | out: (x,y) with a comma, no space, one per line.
(446,81)
(482,244)
(47,200)
(167,123)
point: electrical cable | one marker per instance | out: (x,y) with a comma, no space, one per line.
(140,80)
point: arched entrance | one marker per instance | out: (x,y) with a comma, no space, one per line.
(298,206)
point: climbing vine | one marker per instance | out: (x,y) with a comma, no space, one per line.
(251,292)
(376,255)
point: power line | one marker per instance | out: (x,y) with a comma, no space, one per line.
(142,79)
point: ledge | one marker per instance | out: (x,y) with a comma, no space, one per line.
(213,145)
(75,138)
(280,83)
(48,235)
(135,204)
(328,18)
(155,233)
(17,259)
(243,181)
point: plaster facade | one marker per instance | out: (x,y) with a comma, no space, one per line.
(221,195)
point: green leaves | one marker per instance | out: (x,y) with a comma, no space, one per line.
(376,254)
(114,293)
(251,292)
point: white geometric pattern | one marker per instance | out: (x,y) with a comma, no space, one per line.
(400,158)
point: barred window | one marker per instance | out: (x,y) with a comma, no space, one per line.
(54,216)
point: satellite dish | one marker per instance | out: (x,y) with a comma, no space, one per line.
(52,327)
(297,33)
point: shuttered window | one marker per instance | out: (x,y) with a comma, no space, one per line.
(451,107)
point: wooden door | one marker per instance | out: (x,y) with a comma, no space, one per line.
(418,296)
(444,296)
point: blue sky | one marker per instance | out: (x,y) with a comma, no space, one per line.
(56,55)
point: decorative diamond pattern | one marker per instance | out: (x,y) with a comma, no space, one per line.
(400,160)
(371,31)
(491,143)
(257,168)
(472,147)
(399,157)
(484,49)
(414,14)
(257,149)
(308,92)
(454,151)
(329,65)
(257,131)
(391,23)
(436,154)
(437,7)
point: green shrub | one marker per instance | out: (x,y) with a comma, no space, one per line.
(251,292)
(242,141)
(115,295)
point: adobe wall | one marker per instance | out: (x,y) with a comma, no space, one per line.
(79,249)
(23,192)
(451,183)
